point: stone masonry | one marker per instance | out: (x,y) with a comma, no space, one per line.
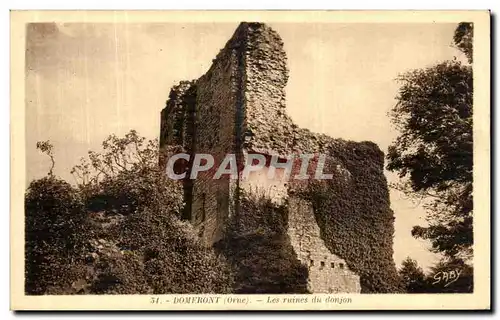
(238,107)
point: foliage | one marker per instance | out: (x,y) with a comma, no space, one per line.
(463,38)
(464,284)
(434,115)
(129,153)
(446,276)
(175,260)
(56,230)
(47,148)
(259,249)
(118,274)
(354,214)
(135,242)
(433,152)
(412,276)
(125,177)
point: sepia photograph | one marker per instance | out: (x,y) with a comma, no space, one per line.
(250,160)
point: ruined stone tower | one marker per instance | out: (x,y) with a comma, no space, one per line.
(238,107)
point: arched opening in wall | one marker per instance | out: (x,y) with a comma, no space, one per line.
(322,264)
(311,263)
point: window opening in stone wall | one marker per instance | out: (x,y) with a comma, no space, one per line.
(322,264)
(332,265)
(341,265)
(312,262)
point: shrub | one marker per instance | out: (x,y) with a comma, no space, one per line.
(128,185)
(119,273)
(174,259)
(119,232)
(56,231)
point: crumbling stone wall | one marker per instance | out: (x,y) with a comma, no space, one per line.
(176,118)
(201,116)
(266,75)
(238,107)
(216,102)
(177,128)
(328,273)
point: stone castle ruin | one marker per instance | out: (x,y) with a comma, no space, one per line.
(238,107)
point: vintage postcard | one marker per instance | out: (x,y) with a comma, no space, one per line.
(259,160)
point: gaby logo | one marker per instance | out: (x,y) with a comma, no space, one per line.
(299,167)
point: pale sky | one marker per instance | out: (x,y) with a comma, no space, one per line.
(86,81)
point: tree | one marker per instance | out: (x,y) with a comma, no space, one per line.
(412,276)
(47,148)
(450,276)
(463,38)
(433,154)
(446,276)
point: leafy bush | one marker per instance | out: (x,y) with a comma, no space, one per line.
(56,231)
(126,177)
(118,273)
(173,257)
(119,232)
